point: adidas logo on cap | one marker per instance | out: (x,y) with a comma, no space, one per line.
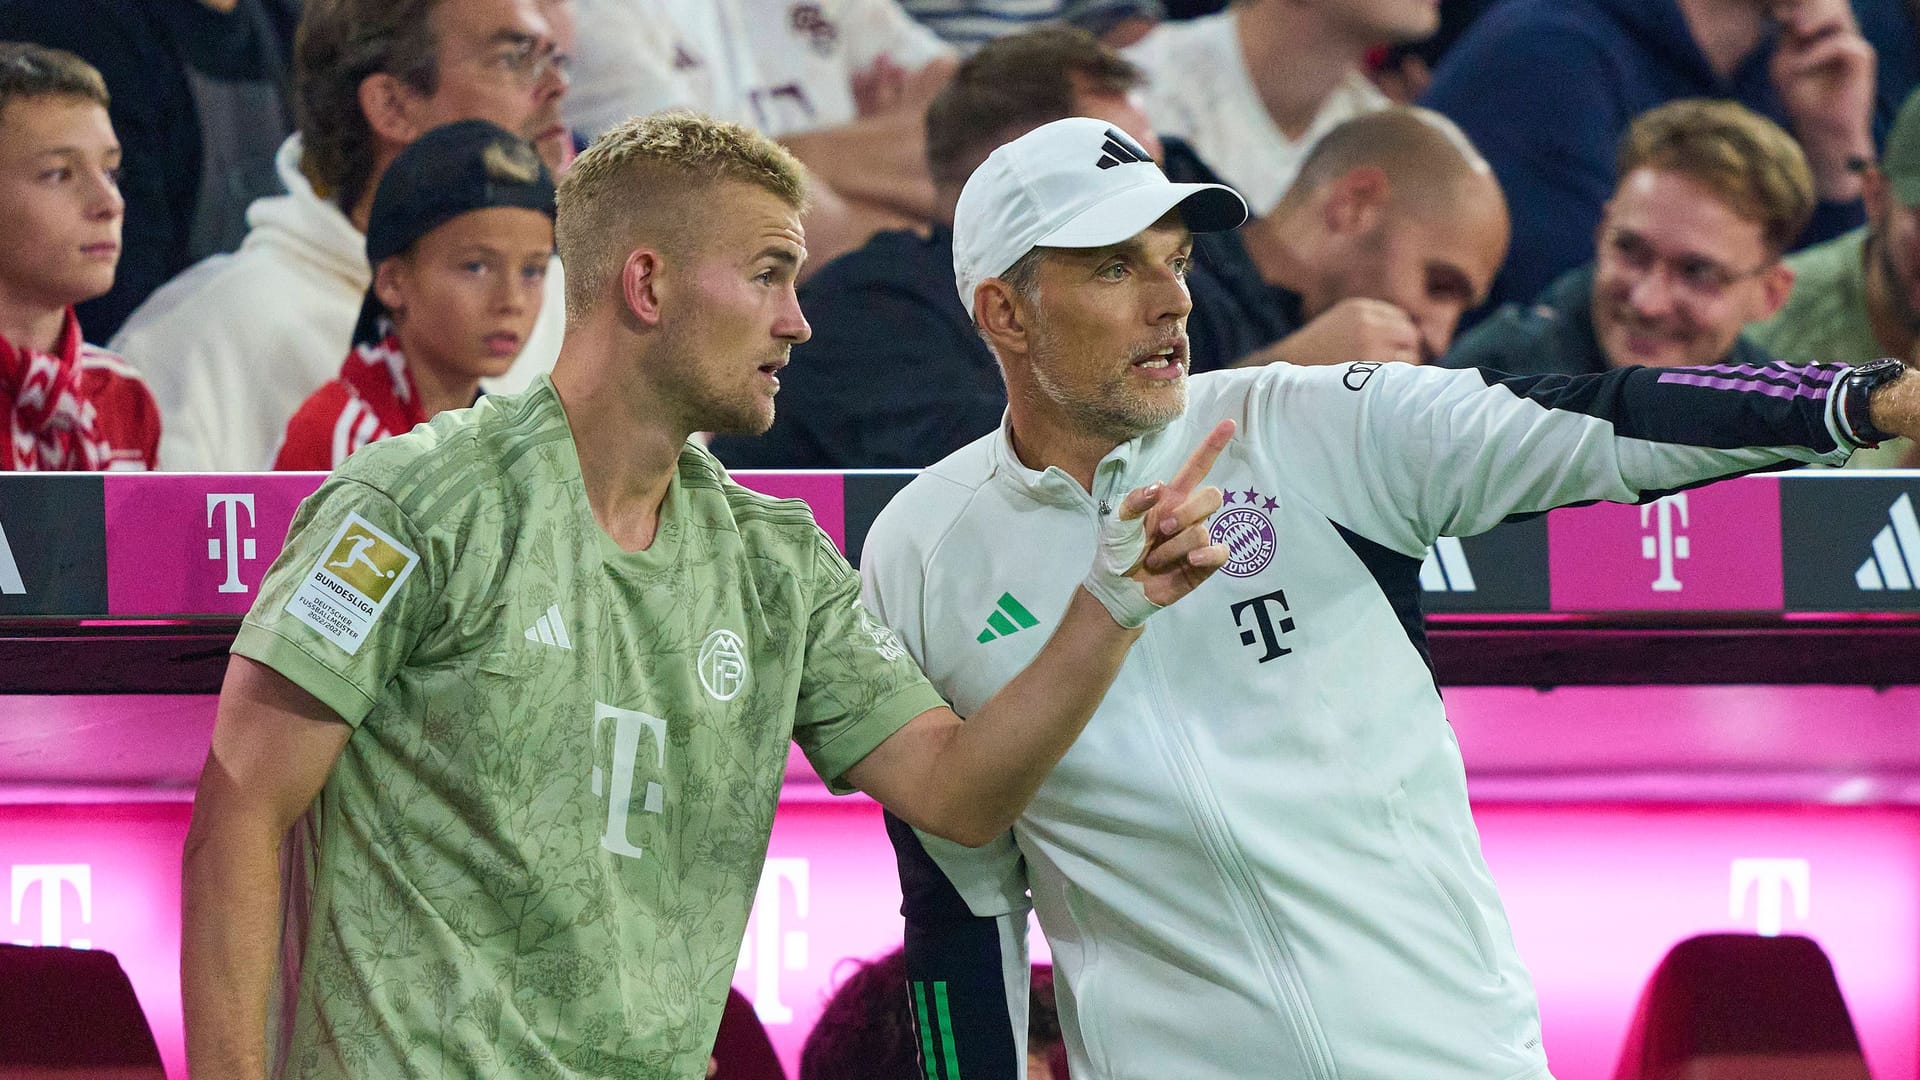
(1120,150)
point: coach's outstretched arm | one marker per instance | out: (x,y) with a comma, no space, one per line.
(1453,453)
(968,781)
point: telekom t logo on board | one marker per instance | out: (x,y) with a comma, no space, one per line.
(234,548)
(48,885)
(1715,548)
(1667,543)
(1771,881)
(769,948)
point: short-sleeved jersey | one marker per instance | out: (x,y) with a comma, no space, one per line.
(537,852)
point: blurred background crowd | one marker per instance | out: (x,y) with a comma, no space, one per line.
(193,275)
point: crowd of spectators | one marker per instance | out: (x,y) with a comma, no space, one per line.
(1588,183)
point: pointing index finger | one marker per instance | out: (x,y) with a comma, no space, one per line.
(1199,462)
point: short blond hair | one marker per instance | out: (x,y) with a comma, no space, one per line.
(648,180)
(1745,159)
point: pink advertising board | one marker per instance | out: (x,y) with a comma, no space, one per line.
(195,542)
(824,492)
(1710,549)
(200,543)
(103,877)
(1596,895)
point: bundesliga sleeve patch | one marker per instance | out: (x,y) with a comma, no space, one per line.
(347,589)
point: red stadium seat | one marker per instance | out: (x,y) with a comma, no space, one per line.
(1742,1007)
(71,1013)
(742,1049)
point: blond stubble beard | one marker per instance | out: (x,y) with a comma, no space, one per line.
(711,407)
(1112,411)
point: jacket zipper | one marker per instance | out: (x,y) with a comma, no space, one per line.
(1282,972)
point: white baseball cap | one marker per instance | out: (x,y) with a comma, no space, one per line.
(1073,183)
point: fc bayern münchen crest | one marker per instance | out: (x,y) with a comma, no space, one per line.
(1244,525)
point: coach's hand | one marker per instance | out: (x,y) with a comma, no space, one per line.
(1155,549)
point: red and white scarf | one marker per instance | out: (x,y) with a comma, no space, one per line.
(50,426)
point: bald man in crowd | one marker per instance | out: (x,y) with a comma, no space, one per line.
(1394,228)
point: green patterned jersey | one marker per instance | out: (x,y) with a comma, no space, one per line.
(537,853)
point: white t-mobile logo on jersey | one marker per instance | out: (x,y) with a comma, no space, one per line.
(1668,543)
(236,548)
(770,949)
(50,879)
(627,726)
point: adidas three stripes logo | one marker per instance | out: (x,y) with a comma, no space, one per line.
(1895,562)
(935,1022)
(1009,617)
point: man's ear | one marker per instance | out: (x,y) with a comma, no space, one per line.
(1776,284)
(641,286)
(388,286)
(388,105)
(1876,191)
(999,312)
(1357,201)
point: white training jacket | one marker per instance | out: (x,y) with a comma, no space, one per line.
(1258,859)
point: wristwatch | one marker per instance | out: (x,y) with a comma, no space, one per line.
(1858,385)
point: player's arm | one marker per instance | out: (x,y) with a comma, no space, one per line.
(273,746)
(895,144)
(968,781)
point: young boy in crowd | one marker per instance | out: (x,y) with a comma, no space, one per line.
(66,405)
(459,237)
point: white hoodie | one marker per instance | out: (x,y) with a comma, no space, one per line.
(232,346)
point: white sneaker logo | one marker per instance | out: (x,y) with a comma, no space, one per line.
(549,630)
(1445,568)
(1895,562)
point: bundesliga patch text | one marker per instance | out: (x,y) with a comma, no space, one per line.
(349,586)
